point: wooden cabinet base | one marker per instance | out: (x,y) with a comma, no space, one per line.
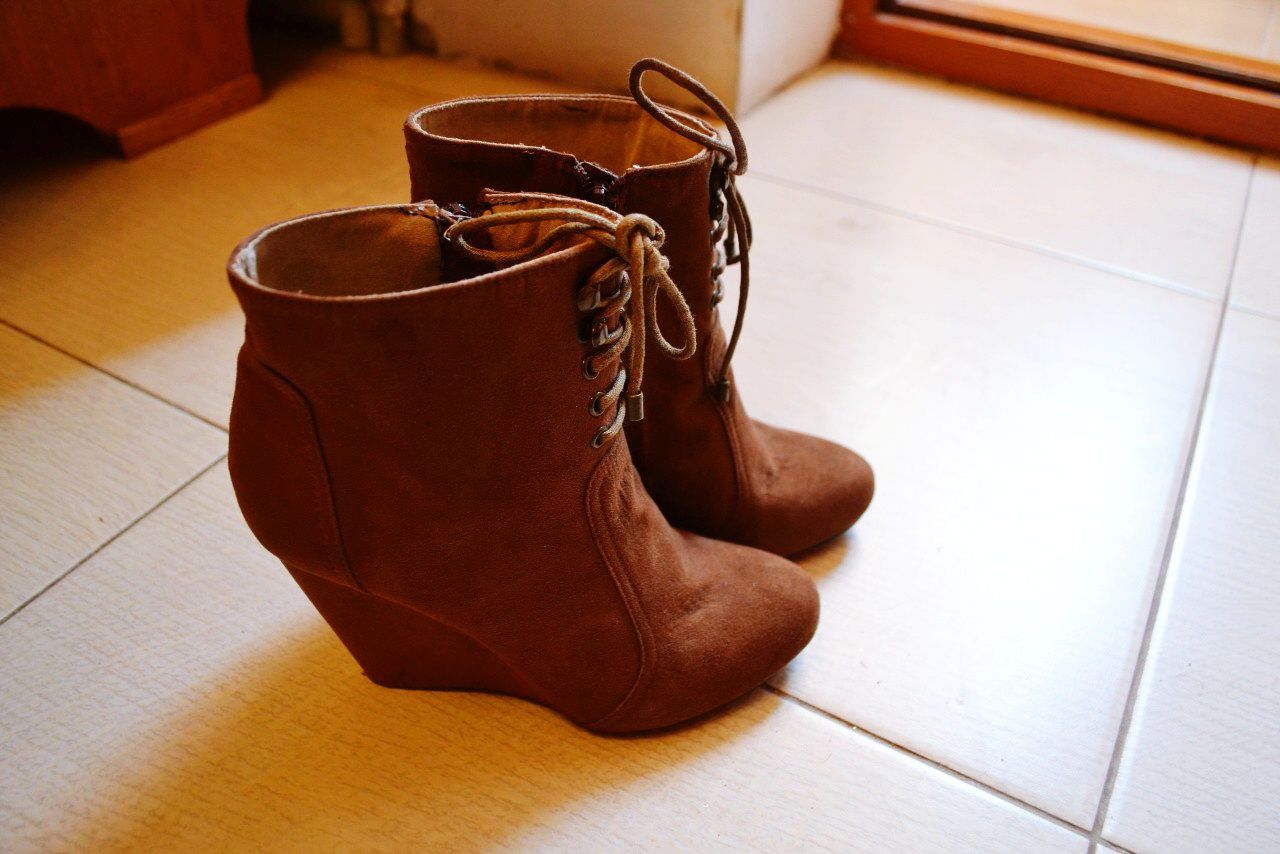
(140,73)
(191,114)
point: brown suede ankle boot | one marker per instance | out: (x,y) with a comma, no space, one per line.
(427,431)
(708,466)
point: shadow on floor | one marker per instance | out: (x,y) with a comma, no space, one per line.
(823,559)
(296,749)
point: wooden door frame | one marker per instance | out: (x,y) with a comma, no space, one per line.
(1198,92)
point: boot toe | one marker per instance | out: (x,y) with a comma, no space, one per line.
(817,490)
(753,613)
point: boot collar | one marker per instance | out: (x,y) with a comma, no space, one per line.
(544,127)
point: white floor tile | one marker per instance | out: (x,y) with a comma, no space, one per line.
(81,456)
(1152,203)
(1257,276)
(1201,770)
(200,704)
(1027,419)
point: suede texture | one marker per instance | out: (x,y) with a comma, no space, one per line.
(418,453)
(710,467)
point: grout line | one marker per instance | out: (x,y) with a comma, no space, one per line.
(1256,312)
(1157,594)
(117,535)
(932,763)
(1112,846)
(130,383)
(1059,255)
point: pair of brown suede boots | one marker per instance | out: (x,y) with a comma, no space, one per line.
(494,436)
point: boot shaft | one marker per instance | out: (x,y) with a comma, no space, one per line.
(452,382)
(427,441)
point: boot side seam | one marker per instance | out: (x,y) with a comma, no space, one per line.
(739,472)
(609,553)
(741,478)
(322,475)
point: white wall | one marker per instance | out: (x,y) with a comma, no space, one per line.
(782,39)
(742,49)
(593,42)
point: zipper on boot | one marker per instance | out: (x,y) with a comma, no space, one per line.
(597,184)
(453,265)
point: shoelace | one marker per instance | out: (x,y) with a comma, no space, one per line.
(731,162)
(634,240)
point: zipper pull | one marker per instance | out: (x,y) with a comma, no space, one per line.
(597,184)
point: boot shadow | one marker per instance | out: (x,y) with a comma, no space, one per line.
(295,748)
(824,558)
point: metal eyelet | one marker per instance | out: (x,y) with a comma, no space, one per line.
(595,409)
(720,225)
(589,371)
(621,284)
(620,299)
(602,335)
(594,298)
(598,439)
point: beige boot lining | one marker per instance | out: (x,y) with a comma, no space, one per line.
(615,134)
(346,253)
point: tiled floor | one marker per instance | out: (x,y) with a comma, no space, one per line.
(1057,338)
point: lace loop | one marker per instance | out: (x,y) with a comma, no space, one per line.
(735,155)
(621,320)
(728,210)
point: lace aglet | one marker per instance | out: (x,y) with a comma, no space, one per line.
(635,406)
(724,390)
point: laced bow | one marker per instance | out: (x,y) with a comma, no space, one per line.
(731,160)
(635,241)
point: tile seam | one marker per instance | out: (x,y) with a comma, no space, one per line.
(1173,530)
